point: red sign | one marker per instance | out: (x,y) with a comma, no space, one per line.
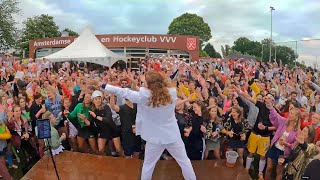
(114,41)
(191,43)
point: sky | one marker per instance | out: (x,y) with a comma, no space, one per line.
(228,19)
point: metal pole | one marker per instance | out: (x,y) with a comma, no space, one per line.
(271,9)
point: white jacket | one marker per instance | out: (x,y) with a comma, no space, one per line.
(155,125)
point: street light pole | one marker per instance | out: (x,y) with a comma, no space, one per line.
(271,9)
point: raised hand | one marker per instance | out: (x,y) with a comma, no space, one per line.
(203,129)
(300,138)
(92,114)
(243,136)
(261,126)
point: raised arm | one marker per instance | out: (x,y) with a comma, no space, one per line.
(113,105)
(299,91)
(276,87)
(126,93)
(275,118)
(315,86)
(312,98)
(220,91)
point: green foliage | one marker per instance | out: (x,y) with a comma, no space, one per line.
(71,32)
(203,53)
(38,27)
(192,25)
(227,50)
(8,31)
(261,50)
(218,55)
(286,54)
(302,64)
(246,46)
(209,49)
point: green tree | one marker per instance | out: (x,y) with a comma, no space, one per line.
(38,27)
(223,51)
(8,31)
(246,46)
(226,50)
(286,54)
(209,49)
(261,50)
(192,25)
(218,55)
(71,32)
(203,53)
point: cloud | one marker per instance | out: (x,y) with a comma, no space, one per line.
(228,19)
(63,18)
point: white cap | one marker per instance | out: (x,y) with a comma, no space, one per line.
(96,94)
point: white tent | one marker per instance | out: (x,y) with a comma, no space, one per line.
(86,48)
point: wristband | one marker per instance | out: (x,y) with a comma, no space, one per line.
(266,128)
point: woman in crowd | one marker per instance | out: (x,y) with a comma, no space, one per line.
(156,122)
(283,140)
(195,144)
(184,118)
(213,102)
(25,110)
(71,124)
(36,111)
(81,111)
(130,141)
(212,135)
(236,127)
(101,119)
(20,140)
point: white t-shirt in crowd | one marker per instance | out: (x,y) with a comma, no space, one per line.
(284,136)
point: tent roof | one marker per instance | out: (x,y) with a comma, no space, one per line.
(86,48)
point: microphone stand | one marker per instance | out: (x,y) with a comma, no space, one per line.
(54,163)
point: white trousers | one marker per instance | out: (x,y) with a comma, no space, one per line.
(177,151)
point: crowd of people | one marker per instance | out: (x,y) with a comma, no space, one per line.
(258,109)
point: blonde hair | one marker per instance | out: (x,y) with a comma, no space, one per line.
(158,86)
(217,119)
(239,110)
(298,120)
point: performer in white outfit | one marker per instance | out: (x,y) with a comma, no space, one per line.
(156,123)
